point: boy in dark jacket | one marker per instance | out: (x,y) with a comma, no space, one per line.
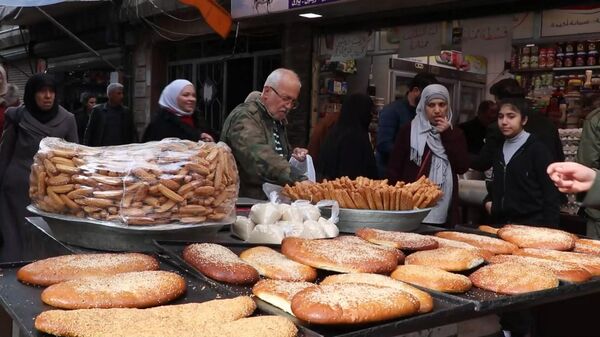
(521,191)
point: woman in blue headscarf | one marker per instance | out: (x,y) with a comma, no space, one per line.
(430,146)
(177,117)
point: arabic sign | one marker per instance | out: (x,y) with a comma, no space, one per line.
(350,46)
(247,8)
(570,21)
(487,34)
(416,40)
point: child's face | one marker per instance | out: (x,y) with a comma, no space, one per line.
(510,121)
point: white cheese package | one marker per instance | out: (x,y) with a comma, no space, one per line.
(271,222)
(167,182)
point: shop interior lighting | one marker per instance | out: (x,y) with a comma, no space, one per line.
(310,15)
(529,45)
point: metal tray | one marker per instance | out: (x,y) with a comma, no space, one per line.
(446,310)
(107,235)
(352,219)
(23,302)
(488,301)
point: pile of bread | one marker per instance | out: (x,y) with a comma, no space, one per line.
(365,193)
(270,223)
(521,259)
(105,294)
(171,181)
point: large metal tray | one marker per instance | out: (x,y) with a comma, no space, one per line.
(351,220)
(107,235)
(446,310)
(23,302)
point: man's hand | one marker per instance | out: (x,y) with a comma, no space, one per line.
(205,137)
(300,153)
(442,124)
(571,177)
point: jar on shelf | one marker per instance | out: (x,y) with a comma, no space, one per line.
(580,59)
(559,60)
(592,58)
(543,58)
(559,48)
(580,47)
(569,47)
(592,45)
(534,61)
(525,51)
(535,50)
(569,60)
(524,61)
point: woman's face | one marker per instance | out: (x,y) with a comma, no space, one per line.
(44,98)
(90,103)
(187,99)
(436,110)
(510,121)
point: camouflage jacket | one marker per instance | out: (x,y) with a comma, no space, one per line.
(250,132)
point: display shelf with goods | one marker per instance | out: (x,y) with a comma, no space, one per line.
(562,79)
(570,141)
(333,85)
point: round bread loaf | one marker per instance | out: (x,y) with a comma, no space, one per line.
(400,240)
(279,293)
(339,256)
(587,246)
(447,258)
(432,278)
(69,267)
(352,303)
(140,289)
(357,240)
(565,271)
(488,229)
(274,265)
(513,278)
(493,245)
(219,263)
(485,254)
(425,300)
(590,263)
(537,237)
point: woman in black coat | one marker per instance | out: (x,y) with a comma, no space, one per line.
(176,116)
(347,150)
(24,128)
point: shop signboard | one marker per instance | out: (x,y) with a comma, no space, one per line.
(350,46)
(571,21)
(488,34)
(248,8)
(409,41)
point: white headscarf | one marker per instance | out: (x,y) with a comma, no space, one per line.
(168,97)
(421,133)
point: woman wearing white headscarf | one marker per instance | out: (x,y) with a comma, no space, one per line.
(176,117)
(430,146)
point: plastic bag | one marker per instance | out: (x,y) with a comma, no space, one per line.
(138,184)
(305,166)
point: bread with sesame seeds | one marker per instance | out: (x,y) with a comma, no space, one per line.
(279,293)
(274,265)
(432,278)
(127,290)
(400,240)
(512,278)
(537,237)
(447,258)
(219,263)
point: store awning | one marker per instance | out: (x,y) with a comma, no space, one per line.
(24,12)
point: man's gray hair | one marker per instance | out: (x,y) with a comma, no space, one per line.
(112,87)
(275,77)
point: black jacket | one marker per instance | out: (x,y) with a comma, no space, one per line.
(521,192)
(95,132)
(166,125)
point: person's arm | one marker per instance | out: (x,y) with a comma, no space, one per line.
(551,196)
(246,139)
(386,131)
(588,152)
(455,145)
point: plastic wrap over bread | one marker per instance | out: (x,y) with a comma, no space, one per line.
(171,181)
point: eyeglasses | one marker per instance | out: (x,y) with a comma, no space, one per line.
(287,99)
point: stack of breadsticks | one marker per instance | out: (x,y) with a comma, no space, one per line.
(138,184)
(365,193)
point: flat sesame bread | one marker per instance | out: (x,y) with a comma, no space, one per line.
(587,246)
(493,245)
(447,258)
(565,271)
(274,265)
(339,256)
(279,293)
(425,300)
(352,303)
(127,290)
(68,267)
(484,253)
(357,240)
(400,240)
(432,278)
(512,278)
(219,263)
(537,237)
(590,263)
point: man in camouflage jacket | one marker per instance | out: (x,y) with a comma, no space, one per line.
(256,133)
